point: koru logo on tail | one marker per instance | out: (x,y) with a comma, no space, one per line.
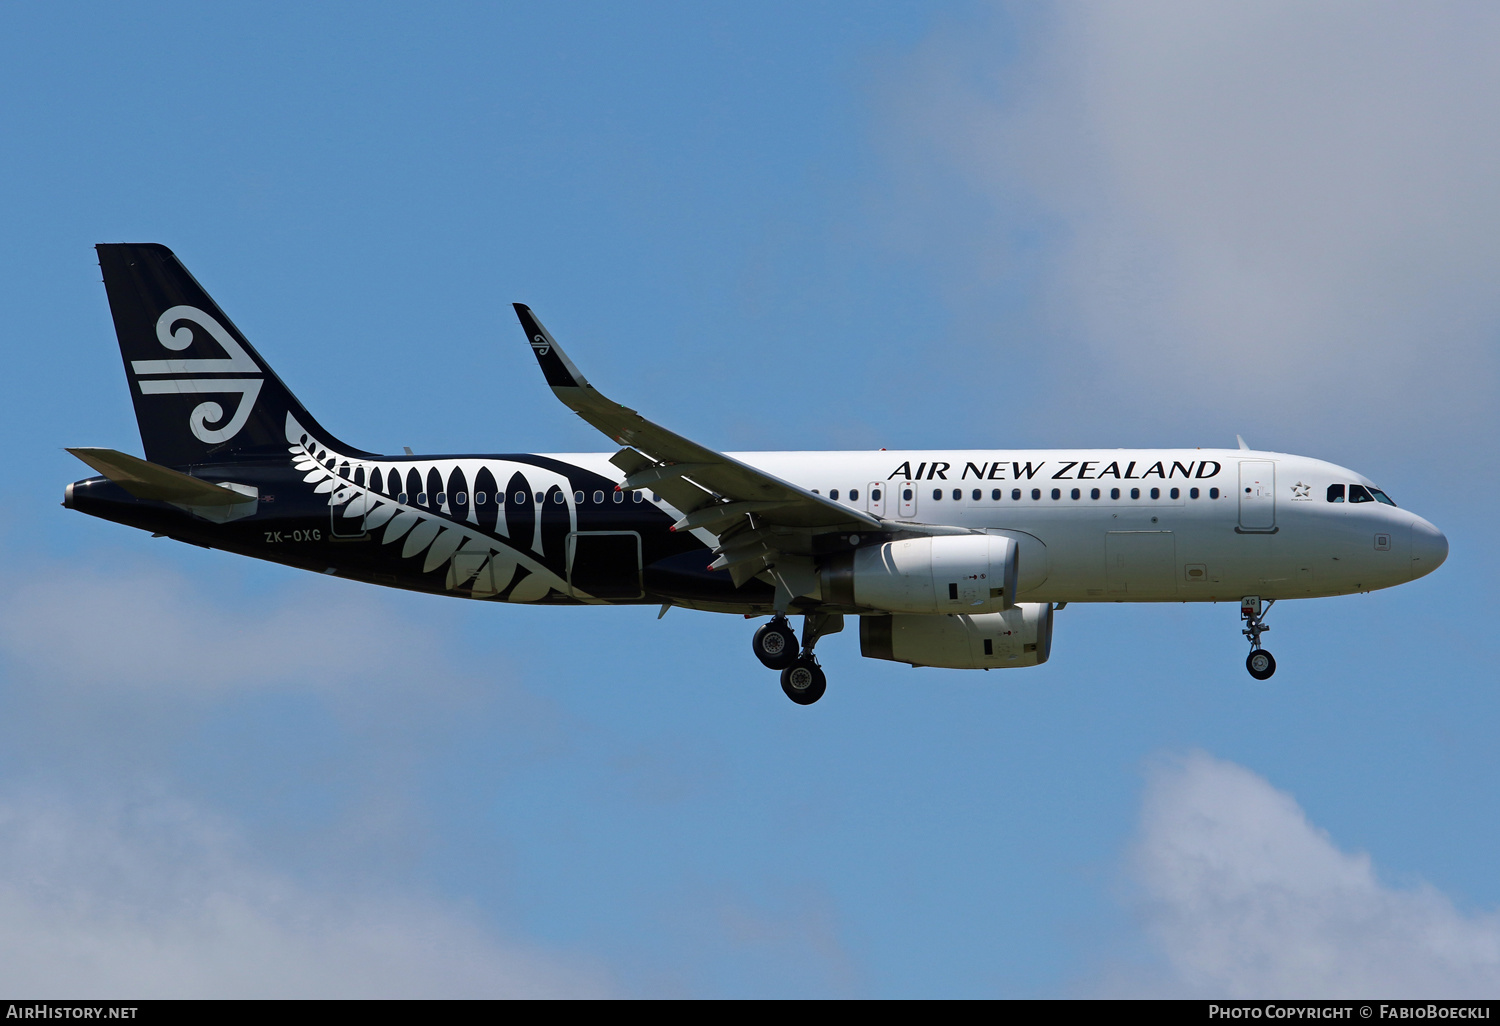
(541,345)
(180,375)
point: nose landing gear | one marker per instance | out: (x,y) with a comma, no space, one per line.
(1259,662)
(775,645)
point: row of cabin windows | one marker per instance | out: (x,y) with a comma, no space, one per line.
(1358,493)
(997,494)
(520,498)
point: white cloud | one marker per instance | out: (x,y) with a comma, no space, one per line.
(1248,899)
(147,627)
(151,899)
(1280,208)
(112,670)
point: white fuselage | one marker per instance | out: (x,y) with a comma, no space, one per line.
(1135,525)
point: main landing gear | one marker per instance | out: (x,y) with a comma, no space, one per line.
(1259,662)
(775,645)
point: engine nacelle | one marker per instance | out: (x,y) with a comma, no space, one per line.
(1019,636)
(967,573)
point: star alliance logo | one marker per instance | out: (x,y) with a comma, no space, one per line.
(1301,491)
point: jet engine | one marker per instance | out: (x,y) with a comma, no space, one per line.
(968,573)
(1019,636)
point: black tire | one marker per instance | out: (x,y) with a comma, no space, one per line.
(775,645)
(1261,664)
(804,681)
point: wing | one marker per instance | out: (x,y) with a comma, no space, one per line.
(756,517)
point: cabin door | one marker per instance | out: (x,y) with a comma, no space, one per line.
(1257,495)
(346,519)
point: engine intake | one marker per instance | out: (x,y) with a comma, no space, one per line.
(1019,636)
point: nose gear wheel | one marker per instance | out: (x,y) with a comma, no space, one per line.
(1259,662)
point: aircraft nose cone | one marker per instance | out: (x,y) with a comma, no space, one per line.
(1429,547)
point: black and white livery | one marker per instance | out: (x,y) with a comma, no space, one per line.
(949,558)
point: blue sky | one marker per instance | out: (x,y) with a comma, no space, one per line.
(786,227)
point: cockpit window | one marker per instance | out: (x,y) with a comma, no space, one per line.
(1336,493)
(1381,496)
(1357,493)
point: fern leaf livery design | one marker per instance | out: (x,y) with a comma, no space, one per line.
(449,530)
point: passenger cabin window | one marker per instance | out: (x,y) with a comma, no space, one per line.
(1057,493)
(1357,493)
(1036,493)
(1176,493)
(1075,493)
(875,495)
(1114,493)
(996,494)
(958,493)
(1336,493)
(1192,493)
(854,495)
(1213,493)
(937,493)
(977,495)
(1156,493)
(1093,493)
(833,493)
(1135,493)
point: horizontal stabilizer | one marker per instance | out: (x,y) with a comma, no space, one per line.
(152,481)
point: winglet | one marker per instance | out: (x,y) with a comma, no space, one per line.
(556,367)
(1237,438)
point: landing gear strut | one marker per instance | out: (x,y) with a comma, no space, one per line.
(775,645)
(1259,662)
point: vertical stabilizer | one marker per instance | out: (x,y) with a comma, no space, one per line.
(202,393)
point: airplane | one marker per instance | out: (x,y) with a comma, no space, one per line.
(948,558)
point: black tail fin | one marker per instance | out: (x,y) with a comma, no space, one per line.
(202,393)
